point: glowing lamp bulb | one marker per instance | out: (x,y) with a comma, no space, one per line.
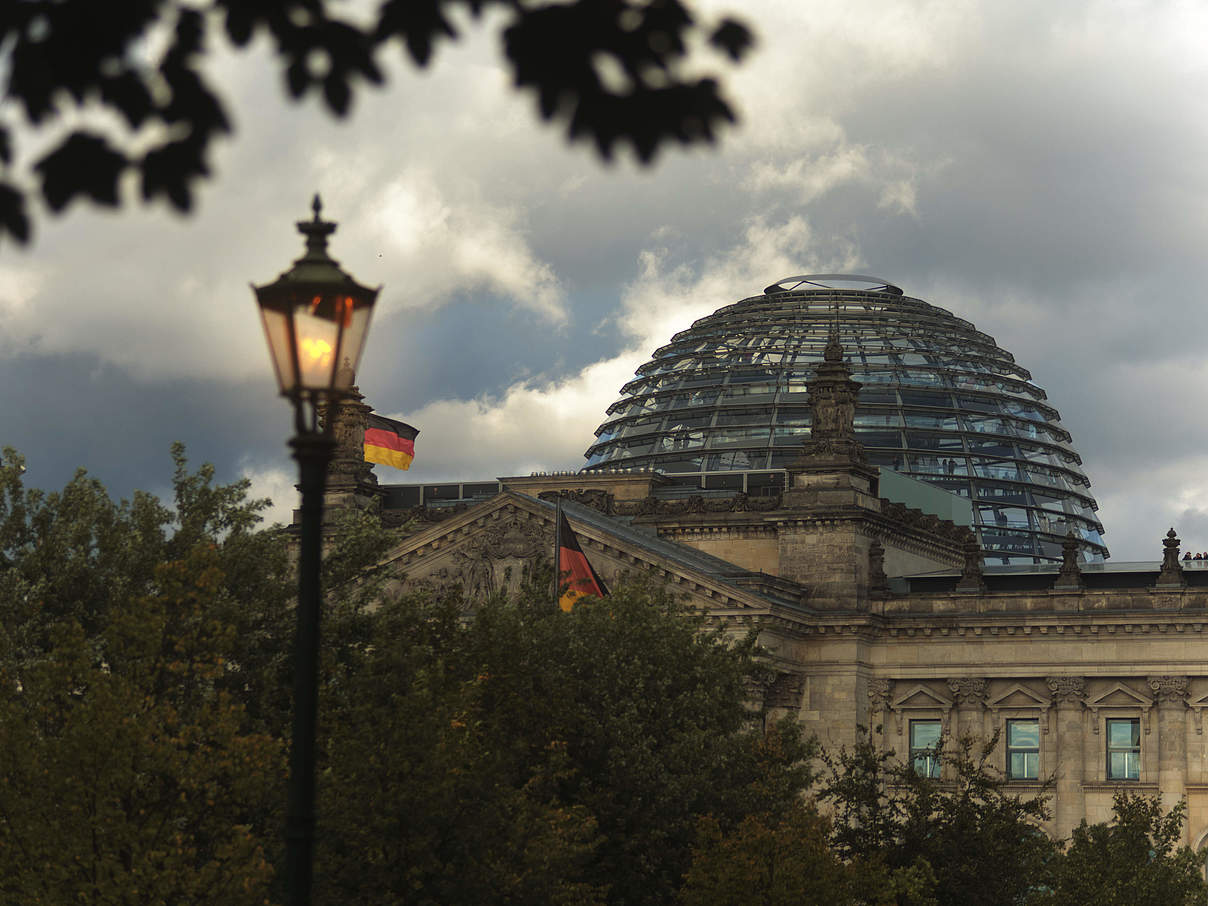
(318,351)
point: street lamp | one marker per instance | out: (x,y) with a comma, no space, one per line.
(316,318)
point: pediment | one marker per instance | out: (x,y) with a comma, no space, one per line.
(1018,695)
(1120,696)
(1198,703)
(490,546)
(919,696)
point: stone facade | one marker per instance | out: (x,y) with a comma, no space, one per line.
(876,616)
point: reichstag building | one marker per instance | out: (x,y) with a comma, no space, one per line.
(889,500)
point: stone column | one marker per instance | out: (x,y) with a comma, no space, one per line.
(1171,695)
(970,695)
(1069,695)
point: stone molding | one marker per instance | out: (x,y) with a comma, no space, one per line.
(920,697)
(1198,707)
(908,517)
(1121,696)
(697,504)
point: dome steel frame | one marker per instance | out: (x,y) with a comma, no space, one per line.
(940,401)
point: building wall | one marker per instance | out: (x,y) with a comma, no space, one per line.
(973,679)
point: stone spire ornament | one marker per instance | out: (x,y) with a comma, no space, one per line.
(348,469)
(1171,575)
(973,579)
(832,403)
(832,468)
(1070,576)
(878,581)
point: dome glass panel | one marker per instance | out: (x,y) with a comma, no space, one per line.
(940,401)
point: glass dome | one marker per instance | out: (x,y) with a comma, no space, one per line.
(940,401)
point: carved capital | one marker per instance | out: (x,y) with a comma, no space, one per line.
(879,691)
(968,690)
(1169,688)
(1067,689)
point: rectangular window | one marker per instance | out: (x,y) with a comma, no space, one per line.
(1124,748)
(925,747)
(1023,749)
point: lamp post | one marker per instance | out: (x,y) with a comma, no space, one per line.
(316,318)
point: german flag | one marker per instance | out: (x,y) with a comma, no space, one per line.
(576,578)
(388,442)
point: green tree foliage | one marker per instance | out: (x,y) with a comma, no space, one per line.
(767,861)
(518,755)
(532,756)
(130,768)
(76,555)
(65,54)
(982,843)
(1135,860)
(789,860)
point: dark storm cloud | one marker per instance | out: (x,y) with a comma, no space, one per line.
(64,412)
(1035,168)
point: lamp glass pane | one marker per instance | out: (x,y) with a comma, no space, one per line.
(318,346)
(276,329)
(356,323)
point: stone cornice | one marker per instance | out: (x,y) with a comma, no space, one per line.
(928,534)
(1101,604)
(1001,626)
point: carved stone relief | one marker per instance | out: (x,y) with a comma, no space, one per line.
(968,690)
(496,558)
(1069,689)
(1169,688)
(599,500)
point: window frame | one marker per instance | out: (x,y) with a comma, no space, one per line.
(1132,749)
(929,755)
(1012,750)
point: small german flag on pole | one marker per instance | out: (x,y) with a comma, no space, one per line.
(576,578)
(388,442)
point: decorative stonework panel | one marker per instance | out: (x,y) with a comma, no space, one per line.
(1169,688)
(970,691)
(1069,689)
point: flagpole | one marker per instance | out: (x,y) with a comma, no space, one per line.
(557,547)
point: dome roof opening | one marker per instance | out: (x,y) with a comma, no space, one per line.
(940,401)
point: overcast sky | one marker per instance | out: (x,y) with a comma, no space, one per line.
(1038,168)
